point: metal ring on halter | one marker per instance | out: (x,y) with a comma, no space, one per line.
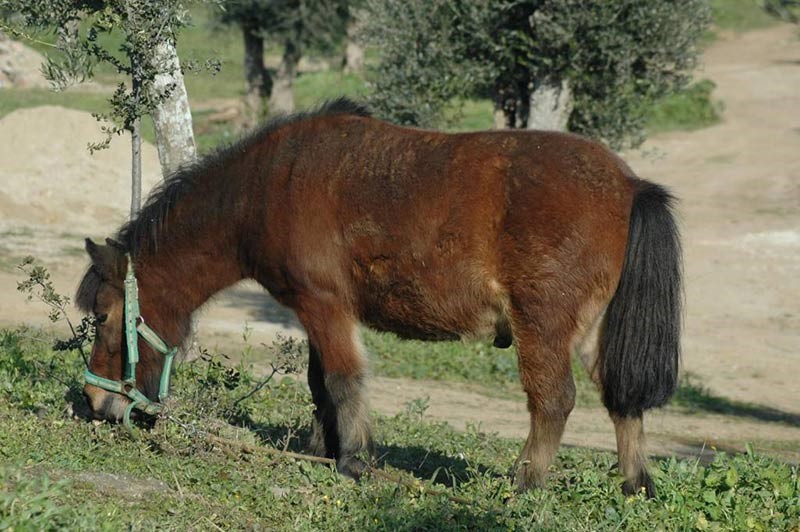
(126,417)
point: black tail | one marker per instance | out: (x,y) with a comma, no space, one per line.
(640,345)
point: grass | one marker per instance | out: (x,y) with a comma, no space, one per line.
(740,15)
(479,364)
(64,473)
(13,99)
(690,109)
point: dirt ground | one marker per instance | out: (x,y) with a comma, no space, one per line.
(739,185)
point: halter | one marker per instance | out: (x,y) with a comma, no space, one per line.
(127,386)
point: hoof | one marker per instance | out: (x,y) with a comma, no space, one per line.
(351,467)
(525,479)
(502,342)
(643,482)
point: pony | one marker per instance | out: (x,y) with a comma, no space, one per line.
(546,240)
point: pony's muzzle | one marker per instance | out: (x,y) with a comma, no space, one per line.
(104,404)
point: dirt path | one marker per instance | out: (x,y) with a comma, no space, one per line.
(669,431)
(739,183)
(740,188)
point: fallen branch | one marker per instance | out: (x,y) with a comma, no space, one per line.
(378,473)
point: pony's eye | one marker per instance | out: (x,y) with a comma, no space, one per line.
(101,318)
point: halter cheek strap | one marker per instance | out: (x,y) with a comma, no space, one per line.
(135,327)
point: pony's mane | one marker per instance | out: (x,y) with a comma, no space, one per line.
(146,227)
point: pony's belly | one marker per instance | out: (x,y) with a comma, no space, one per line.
(439,321)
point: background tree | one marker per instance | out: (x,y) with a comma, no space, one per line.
(425,56)
(297,26)
(591,67)
(353,60)
(254,18)
(146,56)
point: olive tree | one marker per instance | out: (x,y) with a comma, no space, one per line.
(590,67)
(297,26)
(425,56)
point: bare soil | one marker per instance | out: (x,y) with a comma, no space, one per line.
(739,185)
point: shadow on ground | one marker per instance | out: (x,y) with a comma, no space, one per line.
(259,304)
(695,397)
(422,463)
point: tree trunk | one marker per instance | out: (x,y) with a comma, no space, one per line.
(500,118)
(281,98)
(506,106)
(136,137)
(550,105)
(136,167)
(256,76)
(353,51)
(172,117)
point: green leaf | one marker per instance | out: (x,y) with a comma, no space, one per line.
(731,478)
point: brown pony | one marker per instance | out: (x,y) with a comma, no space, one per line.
(544,239)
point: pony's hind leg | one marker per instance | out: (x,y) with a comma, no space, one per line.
(546,376)
(632,455)
(631,448)
(336,379)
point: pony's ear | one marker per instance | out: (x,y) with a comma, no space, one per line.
(114,244)
(109,260)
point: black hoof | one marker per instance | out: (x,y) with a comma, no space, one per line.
(502,342)
(643,482)
(351,467)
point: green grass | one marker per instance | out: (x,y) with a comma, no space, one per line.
(687,110)
(64,473)
(453,361)
(740,15)
(13,99)
(478,364)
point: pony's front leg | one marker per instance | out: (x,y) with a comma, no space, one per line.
(336,372)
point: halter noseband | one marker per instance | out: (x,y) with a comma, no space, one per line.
(127,386)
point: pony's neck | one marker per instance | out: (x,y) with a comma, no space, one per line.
(193,261)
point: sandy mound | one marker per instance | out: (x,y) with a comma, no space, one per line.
(20,66)
(49,178)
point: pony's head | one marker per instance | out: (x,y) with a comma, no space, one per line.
(102,292)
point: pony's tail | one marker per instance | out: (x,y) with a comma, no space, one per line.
(640,343)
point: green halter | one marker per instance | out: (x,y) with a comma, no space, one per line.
(127,386)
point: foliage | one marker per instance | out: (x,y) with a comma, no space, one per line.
(310,24)
(425,59)
(39,286)
(618,57)
(474,364)
(783,9)
(477,362)
(691,108)
(623,57)
(63,472)
(144,23)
